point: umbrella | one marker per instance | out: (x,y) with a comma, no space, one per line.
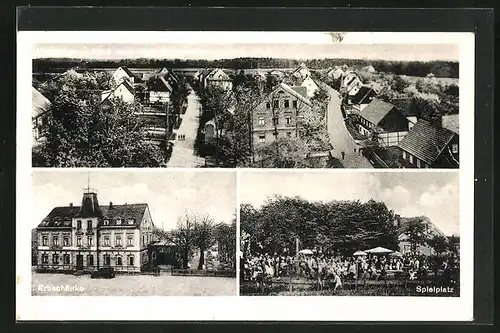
(378,250)
(306,251)
(396,254)
(359,253)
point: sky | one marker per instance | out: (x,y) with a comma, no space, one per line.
(433,194)
(222,45)
(168,194)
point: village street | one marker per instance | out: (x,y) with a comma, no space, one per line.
(339,135)
(183,155)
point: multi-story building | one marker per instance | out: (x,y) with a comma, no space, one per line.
(278,114)
(87,237)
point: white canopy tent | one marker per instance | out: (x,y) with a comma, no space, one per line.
(378,250)
(359,253)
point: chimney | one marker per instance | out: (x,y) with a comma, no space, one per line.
(70,204)
(110,204)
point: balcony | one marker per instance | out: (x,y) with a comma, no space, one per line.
(89,232)
(79,232)
(56,247)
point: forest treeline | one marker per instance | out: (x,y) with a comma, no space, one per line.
(410,68)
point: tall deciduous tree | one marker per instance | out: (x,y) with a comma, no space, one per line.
(203,236)
(184,236)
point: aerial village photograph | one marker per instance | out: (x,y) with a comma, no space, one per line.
(335,105)
(142,233)
(358,234)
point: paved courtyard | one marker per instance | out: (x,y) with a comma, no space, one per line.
(131,285)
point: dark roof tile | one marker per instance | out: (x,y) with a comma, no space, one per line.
(426,141)
(376,110)
(61,216)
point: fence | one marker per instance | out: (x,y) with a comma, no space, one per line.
(196,272)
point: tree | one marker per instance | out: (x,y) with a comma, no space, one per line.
(203,236)
(225,236)
(399,84)
(184,236)
(439,244)
(415,231)
(82,132)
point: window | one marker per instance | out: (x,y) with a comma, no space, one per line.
(45,240)
(288,134)
(55,240)
(261,121)
(107,260)
(91,241)
(276,120)
(118,240)
(106,240)
(143,239)
(67,260)
(66,241)
(90,260)
(288,120)
(276,104)
(404,155)
(418,163)
(106,222)
(130,240)
(45,258)
(454,148)
(268,105)
(131,221)
(55,259)
(294,103)
(119,222)
(262,138)
(78,224)
(287,103)
(131,261)
(89,225)
(79,241)
(118,260)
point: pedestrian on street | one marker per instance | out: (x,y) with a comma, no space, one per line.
(343,155)
(355,150)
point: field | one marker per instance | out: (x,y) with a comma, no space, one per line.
(133,285)
(371,288)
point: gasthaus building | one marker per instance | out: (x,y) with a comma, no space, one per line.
(81,239)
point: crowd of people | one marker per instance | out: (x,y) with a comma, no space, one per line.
(346,268)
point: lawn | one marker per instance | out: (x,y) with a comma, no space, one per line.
(371,288)
(133,285)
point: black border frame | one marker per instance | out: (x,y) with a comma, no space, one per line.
(479,21)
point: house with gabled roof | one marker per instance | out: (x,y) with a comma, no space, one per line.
(217,77)
(90,236)
(335,73)
(123,73)
(430,146)
(124,91)
(40,109)
(362,98)
(385,119)
(278,115)
(301,72)
(430,230)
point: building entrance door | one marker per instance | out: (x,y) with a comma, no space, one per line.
(79,262)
